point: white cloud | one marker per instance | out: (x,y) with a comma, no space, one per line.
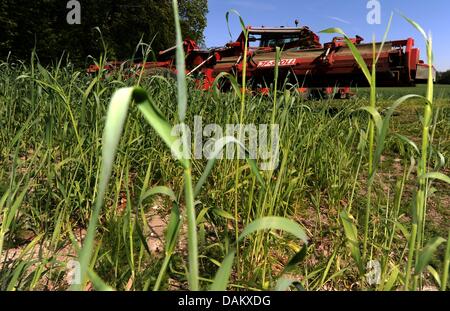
(339,20)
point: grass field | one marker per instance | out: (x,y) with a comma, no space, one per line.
(389,93)
(50,134)
(359,200)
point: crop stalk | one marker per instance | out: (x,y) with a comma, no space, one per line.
(373,102)
(241,121)
(192,230)
(421,200)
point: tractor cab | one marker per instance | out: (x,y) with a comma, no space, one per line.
(267,39)
(283,37)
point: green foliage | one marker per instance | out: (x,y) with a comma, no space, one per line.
(351,234)
(42,24)
(60,185)
(276,223)
(443,77)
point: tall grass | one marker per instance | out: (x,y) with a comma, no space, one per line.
(113,129)
(68,168)
(416,252)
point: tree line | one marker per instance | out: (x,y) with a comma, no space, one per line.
(443,77)
(43,25)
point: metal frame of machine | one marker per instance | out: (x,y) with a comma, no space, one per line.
(304,61)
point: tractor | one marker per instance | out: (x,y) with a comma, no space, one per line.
(329,68)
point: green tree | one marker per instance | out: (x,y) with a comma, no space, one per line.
(443,77)
(42,24)
(193,18)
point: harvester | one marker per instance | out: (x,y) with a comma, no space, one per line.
(329,68)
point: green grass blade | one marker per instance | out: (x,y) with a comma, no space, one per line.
(15,206)
(381,137)
(283,284)
(158,190)
(3,226)
(375,116)
(218,148)
(173,229)
(144,196)
(436,175)
(385,37)
(223,274)
(408,142)
(435,275)
(430,56)
(193,274)
(172,233)
(222,213)
(351,234)
(356,54)
(392,279)
(446,265)
(275,223)
(181,66)
(266,223)
(16,275)
(159,124)
(98,283)
(241,20)
(426,254)
(294,261)
(115,120)
(417,26)
(233,81)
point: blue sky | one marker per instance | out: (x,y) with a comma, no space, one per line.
(350,15)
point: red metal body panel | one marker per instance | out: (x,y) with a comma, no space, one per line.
(304,61)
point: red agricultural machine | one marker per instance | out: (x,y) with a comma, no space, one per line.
(304,61)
